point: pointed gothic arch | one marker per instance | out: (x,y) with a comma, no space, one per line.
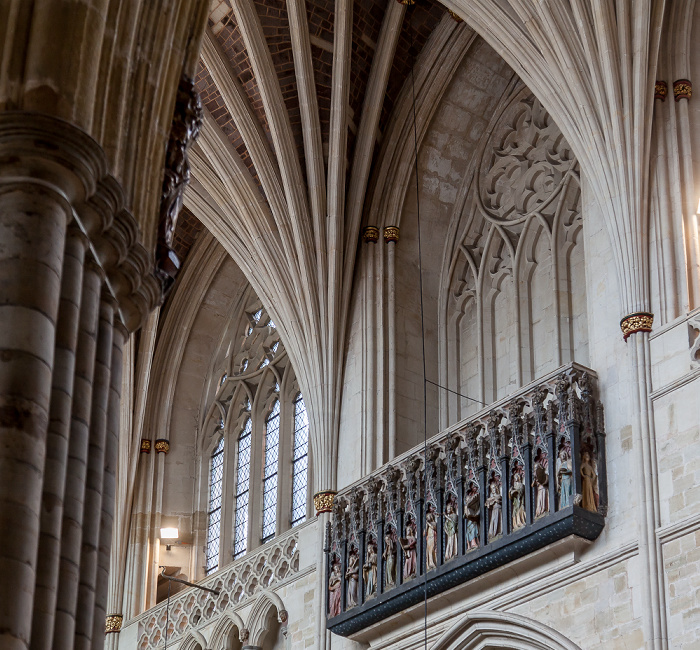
(498,630)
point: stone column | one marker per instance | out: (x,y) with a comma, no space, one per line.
(120,336)
(57,440)
(45,167)
(92,510)
(71,534)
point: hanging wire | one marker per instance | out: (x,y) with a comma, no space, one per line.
(422,326)
(170,580)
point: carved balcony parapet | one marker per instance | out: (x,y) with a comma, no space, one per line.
(238,583)
(522,473)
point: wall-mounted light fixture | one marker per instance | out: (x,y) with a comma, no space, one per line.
(169,534)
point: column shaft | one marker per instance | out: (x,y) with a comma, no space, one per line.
(33,223)
(71,534)
(57,441)
(109,489)
(92,510)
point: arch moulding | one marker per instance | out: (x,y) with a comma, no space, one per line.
(497,630)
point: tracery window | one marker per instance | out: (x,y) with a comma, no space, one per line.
(255,400)
(300,461)
(240,531)
(216,475)
(272,444)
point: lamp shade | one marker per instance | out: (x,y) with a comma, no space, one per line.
(169,533)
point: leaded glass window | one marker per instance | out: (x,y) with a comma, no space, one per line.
(300,461)
(216,475)
(240,530)
(272,446)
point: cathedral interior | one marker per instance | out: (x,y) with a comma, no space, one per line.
(349,325)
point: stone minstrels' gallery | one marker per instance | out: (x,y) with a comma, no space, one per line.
(349,325)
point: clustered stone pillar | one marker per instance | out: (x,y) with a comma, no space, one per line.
(61,338)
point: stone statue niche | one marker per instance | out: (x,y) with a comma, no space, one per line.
(494,504)
(451,527)
(565,480)
(540,482)
(516,494)
(352,577)
(589,479)
(335,582)
(389,556)
(369,569)
(431,538)
(409,546)
(472,515)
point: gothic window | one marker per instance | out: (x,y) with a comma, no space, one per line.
(257,402)
(272,442)
(216,475)
(240,532)
(300,461)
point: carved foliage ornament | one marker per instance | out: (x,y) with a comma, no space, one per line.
(113,623)
(524,163)
(660,90)
(162,446)
(370,234)
(145,446)
(323,501)
(640,321)
(391,234)
(682,89)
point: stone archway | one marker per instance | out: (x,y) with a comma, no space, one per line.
(498,630)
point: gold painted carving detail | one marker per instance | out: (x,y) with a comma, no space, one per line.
(145,446)
(638,322)
(391,233)
(162,446)
(682,89)
(323,501)
(113,623)
(370,234)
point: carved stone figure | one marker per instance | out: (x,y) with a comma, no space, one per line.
(565,484)
(389,560)
(493,504)
(334,585)
(517,498)
(451,521)
(352,575)
(471,512)
(541,483)
(431,537)
(369,570)
(408,544)
(589,484)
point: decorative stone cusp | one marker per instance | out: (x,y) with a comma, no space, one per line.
(640,321)
(323,501)
(113,623)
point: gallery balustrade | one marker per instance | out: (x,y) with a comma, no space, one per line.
(525,472)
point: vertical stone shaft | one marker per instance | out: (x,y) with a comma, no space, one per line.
(33,221)
(92,509)
(109,488)
(71,534)
(57,441)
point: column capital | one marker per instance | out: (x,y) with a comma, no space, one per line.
(113,623)
(44,150)
(639,321)
(323,501)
